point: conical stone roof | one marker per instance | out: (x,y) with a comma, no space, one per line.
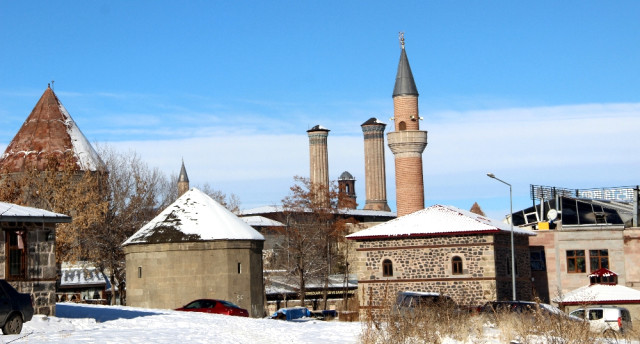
(49,132)
(193,217)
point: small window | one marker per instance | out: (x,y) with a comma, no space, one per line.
(456,265)
(576,261)
(598,259)
(139,271)
(387,268)
(16,256)
(239,268)
(538,261)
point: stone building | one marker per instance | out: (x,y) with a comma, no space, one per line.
(193,249)
(441,249)
(48,135)
(28,253)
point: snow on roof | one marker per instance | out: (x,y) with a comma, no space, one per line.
(600,294)
(14,212)
(87,158)
(47,132)
(270,209)
(261,221)
(194,217)
(77,275)
(437,219)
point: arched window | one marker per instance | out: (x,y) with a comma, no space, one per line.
(456,265)
(387,268)
(402,126)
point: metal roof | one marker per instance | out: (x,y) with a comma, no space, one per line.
(10,212)
(405,85)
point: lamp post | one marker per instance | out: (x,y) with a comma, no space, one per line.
(513,255)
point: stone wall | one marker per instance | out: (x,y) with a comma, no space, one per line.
(41,276)
(425,264)
(172,274)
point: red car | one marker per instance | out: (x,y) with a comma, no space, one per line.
(214,306)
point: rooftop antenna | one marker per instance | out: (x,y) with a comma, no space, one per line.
(401,37)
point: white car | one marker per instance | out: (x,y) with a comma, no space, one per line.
(603,319)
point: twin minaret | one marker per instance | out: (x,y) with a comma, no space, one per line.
(406,141)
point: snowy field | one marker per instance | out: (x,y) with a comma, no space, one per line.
(115,324)
(76,323)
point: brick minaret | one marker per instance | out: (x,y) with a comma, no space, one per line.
(183,181)
(407,141)
(347,187)
(374,171)
(318,156)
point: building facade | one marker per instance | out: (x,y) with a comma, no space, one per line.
(441,249)
(195,249)
(28,253)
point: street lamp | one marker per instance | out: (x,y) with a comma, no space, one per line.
(513,255)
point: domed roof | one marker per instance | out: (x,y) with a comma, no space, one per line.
(346,176)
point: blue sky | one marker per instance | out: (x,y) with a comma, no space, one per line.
(541,92)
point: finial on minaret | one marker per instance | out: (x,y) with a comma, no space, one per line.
(401,37)
(52,86)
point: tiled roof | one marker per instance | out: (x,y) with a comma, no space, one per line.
(48,132)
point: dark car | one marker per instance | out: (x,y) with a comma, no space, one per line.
(15,308)
(214,306)
(415,299)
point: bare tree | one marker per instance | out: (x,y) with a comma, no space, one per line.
(315,224)
(61,187)
(135,193)
(231,202)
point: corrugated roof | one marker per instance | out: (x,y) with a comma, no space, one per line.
(436,220)
(194,217)
(14,212)
(49,132)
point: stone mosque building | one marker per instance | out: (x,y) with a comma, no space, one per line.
(439,249)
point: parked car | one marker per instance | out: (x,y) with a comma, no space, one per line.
(525,307)
(214,306)
(416,299)
(15,308)
(603,319)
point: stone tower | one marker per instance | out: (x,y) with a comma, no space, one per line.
(407,141)
(374,170)
(347,187)
(183,181)
(318,156)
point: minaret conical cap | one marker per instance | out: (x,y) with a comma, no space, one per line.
(405,85)
(183,174)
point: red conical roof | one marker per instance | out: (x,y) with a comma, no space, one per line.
(48,132)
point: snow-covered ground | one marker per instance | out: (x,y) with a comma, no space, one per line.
(115,324)
(76,323)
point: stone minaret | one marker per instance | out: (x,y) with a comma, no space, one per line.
(318,156)
(407,141)
(347,187)
(183,181)
(374,171)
